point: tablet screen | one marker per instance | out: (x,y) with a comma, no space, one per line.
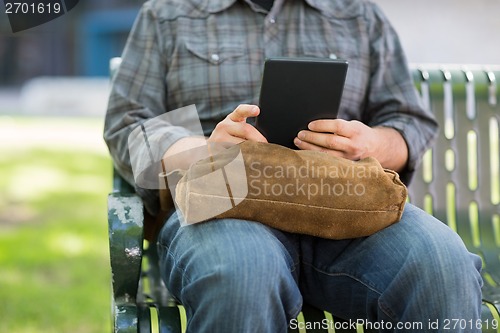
(296,91)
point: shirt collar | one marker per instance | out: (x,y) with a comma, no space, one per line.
(330,8)
(212,6)
(338,8)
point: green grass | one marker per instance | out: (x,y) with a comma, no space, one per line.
(54,257)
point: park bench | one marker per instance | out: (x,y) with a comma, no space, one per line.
(458,182)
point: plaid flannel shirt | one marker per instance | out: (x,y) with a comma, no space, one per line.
(211,54)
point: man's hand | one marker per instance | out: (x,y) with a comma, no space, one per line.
(234,128)
(354,140)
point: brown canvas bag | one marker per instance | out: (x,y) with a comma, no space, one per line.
(296,191)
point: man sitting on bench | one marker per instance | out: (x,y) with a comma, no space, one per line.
(242,276)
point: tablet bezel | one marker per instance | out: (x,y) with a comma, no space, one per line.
(285,82)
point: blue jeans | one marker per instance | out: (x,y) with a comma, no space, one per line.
(242,276)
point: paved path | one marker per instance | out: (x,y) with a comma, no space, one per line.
(52,132)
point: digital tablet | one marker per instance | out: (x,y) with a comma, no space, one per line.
(296,91)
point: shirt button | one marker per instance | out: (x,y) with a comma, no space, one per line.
(272,20)
(215,57)
(332,56)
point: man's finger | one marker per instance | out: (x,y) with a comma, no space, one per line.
(244,111)
(246,131)
(303,145)
(338,126)
(326,140)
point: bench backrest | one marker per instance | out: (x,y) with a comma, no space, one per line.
(459,177)
(458,180)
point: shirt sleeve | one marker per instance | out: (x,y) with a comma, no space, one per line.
(138,94)
(392,99)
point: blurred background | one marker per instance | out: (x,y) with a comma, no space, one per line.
(55,172)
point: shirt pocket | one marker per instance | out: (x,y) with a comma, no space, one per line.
(329,45)
(215,55)
(214,76)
